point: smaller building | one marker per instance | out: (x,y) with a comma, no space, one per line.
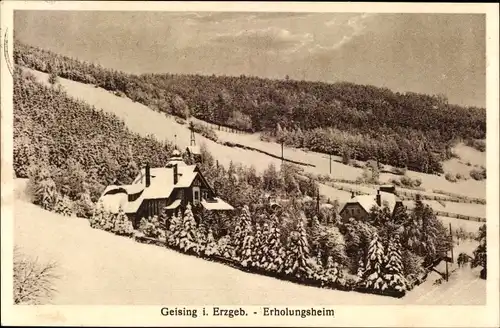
(359,207)
(194,151)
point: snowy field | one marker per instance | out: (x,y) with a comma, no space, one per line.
(143,120)
(99,268)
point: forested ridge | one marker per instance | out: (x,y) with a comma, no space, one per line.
(71,151)
(354,121)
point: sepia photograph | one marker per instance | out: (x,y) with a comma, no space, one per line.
(202,161)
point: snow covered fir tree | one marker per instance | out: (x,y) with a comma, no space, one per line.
(275,228)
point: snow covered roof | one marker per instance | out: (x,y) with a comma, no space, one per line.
(216,204)
(112,202)
(174,205)
(369,201)
(162,185)
(195,150)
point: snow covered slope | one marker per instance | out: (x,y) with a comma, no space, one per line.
(97,268)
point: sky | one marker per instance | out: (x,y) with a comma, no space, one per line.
(424,53)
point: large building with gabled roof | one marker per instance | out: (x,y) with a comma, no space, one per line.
(168,188)
(359,207)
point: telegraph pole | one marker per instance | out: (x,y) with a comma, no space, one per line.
(451,235)
(330,159)
(282,158)
(317,204)
(446,269)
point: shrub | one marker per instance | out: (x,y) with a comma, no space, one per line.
(64,206)
(42,187)
(180,121)
(53,78)
(399,171)
(84,207)
(265,137)
(450,177)
(150,227)
(205,131)
(478,174)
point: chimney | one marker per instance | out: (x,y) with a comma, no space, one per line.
(353,194)
(148,175)
(176,175)
(379,200)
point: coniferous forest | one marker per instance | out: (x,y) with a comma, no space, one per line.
(71,151)
(360,122)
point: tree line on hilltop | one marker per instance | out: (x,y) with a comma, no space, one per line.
(70,151)
(359,122)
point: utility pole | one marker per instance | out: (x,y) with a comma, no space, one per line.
(446,269)
(451,235)
(317,204)
(282,158)
(330,159)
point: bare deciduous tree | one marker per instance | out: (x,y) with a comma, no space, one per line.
(33,281)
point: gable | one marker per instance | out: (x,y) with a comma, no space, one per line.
(353,205)
(200,181)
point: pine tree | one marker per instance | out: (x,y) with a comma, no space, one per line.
(315,234)
(175,227)
(394,266)
(257,247)
(264,259)
(45,193)
(63,206)
(374,275)
(333,272)
(361,269)
(211,246)
(188,234)
(85,206)
(154,231)
(108,221)
(480,254)
(319,258)
(122,225)
(240,233)
(150,227)
(296,263)
(95,220)
(246,248)
(275,253)
(143,226)
(233,247)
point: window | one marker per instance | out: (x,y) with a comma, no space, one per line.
(196,195)
(204,194)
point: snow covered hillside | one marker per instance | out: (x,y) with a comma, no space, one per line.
(143,120)
(97,267)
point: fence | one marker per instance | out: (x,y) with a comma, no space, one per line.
(220,127)
(237,145)
(463,199)
(460,216)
